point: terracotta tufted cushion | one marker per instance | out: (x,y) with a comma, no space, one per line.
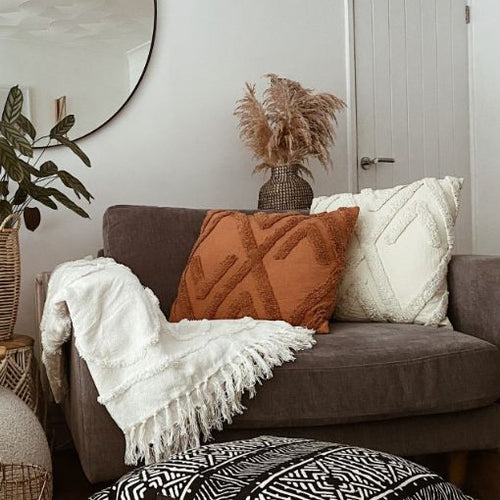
(267,266)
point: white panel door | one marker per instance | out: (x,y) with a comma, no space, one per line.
(412,95)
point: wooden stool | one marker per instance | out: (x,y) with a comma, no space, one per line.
(18,370)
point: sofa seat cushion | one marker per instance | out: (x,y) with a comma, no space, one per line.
(366,371)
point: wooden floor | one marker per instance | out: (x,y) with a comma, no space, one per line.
(483,477)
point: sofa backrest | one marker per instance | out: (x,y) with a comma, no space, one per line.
(155,242)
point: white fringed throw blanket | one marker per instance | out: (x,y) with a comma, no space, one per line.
(166,385)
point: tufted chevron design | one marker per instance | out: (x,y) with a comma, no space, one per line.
(398,259)
(267,266)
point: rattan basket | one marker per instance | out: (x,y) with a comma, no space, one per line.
(10,274)
(19,373)
(285,190)
(25,482)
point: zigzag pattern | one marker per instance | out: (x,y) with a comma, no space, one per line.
(274,468)
(267,266)
(398,258)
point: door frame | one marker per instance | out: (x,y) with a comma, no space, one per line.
(472,134)
(351,111)
(352,115)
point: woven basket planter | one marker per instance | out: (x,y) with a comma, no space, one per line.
(285,190)
(10,275)
(25,482)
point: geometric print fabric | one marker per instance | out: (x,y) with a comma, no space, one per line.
(277,468)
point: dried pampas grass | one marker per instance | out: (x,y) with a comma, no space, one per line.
(290,126)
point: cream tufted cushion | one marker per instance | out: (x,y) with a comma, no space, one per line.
(22,439)
(398,258)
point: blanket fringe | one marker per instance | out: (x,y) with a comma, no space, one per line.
(179,425)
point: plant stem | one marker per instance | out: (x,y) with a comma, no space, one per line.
(40,138)
(41,154)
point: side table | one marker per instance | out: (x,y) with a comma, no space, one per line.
(18,370)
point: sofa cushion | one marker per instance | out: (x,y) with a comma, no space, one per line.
(266,265)
(399,255)
(367,371)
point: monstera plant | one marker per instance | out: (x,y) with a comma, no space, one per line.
(27,178)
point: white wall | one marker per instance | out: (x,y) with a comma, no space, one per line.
(50,71)
(485,124)
(176,143)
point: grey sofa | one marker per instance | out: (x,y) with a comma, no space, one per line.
(404,389)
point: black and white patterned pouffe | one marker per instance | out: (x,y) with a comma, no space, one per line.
(275,468)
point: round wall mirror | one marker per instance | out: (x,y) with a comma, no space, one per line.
(80,57)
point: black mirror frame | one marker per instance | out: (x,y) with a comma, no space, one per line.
(117,112)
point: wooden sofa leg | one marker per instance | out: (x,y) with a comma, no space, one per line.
(457,468)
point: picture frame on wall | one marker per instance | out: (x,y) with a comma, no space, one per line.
(4,92)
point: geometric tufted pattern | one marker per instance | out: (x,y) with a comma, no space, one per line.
(268,266)
(397,260)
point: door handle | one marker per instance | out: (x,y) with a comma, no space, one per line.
(367,163)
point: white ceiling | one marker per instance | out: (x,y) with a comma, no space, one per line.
(77,22)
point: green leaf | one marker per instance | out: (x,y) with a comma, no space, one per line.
(5,209)
(31,170)
(26,126)
(16,139)
(48,168)
(28,169)
(8,160)
(64,200)
(13,105)
(71,145)
(20,196)
(4,188)
(38,193)
(32,218)
(73,183)
(63,127)
(46,201)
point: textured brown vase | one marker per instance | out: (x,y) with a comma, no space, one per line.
(10,275)
(285,190)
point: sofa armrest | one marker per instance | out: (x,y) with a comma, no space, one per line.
(474,284)
(41,285)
